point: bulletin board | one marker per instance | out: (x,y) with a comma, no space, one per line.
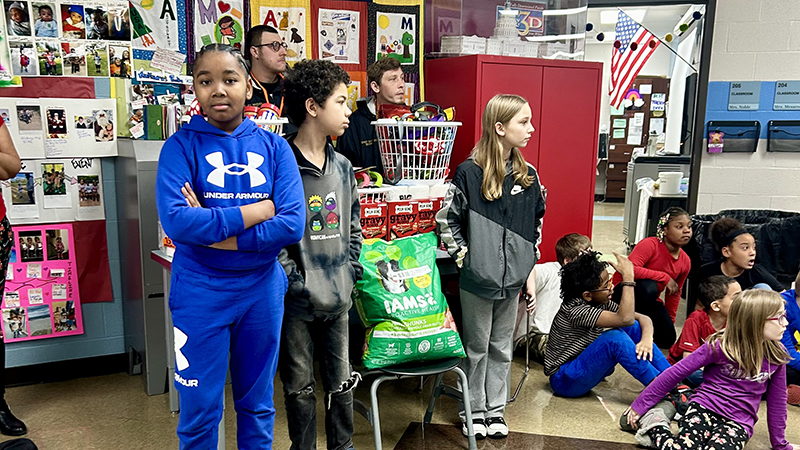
(41,298)
(55,190)
(69,38)
(59,128)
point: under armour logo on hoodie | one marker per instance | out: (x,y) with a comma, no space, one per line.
(217,176)
(181,362)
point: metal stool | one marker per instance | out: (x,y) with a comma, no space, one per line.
(527,358)
(397,372)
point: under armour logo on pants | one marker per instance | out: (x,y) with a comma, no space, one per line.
(180,340)
(217,176)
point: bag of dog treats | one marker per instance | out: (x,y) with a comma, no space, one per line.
(400,302)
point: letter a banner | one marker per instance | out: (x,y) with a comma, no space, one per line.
(155,24)
(218,22)
(292,20)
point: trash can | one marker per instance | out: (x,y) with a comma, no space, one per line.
(777,235)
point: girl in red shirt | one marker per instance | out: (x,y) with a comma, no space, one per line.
(660,265)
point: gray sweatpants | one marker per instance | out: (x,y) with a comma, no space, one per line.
(488,330)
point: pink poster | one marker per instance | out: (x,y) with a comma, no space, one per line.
(41,298)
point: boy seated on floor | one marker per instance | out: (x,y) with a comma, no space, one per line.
(715,294)
(547,298)
(590,334)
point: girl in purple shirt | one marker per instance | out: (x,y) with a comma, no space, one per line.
(742,362)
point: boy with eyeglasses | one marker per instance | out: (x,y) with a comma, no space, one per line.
(266,52)
(591,334)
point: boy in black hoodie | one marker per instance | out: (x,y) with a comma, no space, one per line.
(359,143)
(323,267)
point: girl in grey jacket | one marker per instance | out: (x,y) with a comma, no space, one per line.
(491,223)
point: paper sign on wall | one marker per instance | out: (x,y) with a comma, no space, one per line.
(658,102)
(36,304)
(787,95)
(744,96)
(339,36)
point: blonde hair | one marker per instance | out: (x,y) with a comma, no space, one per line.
(488,152)
(742,341)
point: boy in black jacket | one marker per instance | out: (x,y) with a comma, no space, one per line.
(323,267)
(359,143)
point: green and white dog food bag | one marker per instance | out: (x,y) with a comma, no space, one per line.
(400,302)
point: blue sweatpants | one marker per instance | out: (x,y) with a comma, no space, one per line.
(214,317)
(597,361)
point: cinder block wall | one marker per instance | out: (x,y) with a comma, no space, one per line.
(754,40)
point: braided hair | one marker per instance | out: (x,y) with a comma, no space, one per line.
(224,48)
(665,218)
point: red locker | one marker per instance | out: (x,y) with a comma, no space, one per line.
(565,100)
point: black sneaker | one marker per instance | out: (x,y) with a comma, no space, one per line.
(679,397)
(496,427)
(478,426)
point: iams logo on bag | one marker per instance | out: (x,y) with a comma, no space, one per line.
(217,176)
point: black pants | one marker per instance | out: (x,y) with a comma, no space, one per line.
(18,444)
(646,294)
(792,376)
(701,429)
(6,241)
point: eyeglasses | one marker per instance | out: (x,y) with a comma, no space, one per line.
(275,45)
(780,318)
(608,287)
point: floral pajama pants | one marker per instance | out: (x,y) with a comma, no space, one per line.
(701,429)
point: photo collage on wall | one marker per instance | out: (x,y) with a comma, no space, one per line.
(82,39)
(41,298)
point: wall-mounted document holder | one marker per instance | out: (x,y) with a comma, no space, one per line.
(733,136)
(783,136)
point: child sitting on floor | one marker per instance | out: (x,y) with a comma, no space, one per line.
(716,295)
(661,265)
(790,342)
(742,363)
(581,349)
(547,298)
(738,248)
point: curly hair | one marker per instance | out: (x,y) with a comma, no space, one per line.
(315,79)
(722,229)
(581,275)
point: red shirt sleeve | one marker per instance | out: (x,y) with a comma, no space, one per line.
(644,252)
(693,335)
(2,122)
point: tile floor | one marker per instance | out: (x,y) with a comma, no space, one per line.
(112,412)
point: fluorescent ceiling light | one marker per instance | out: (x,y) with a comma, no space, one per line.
(610,16)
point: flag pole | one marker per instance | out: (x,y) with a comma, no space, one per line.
(666,44)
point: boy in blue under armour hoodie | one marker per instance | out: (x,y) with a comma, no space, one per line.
(229,195)
(323,267)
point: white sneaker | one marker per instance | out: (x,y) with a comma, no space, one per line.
(496,427)
(478,426)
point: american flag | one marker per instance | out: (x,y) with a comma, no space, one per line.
(625,61)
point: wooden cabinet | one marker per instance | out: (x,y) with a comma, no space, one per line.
(565,99)
(653,93)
